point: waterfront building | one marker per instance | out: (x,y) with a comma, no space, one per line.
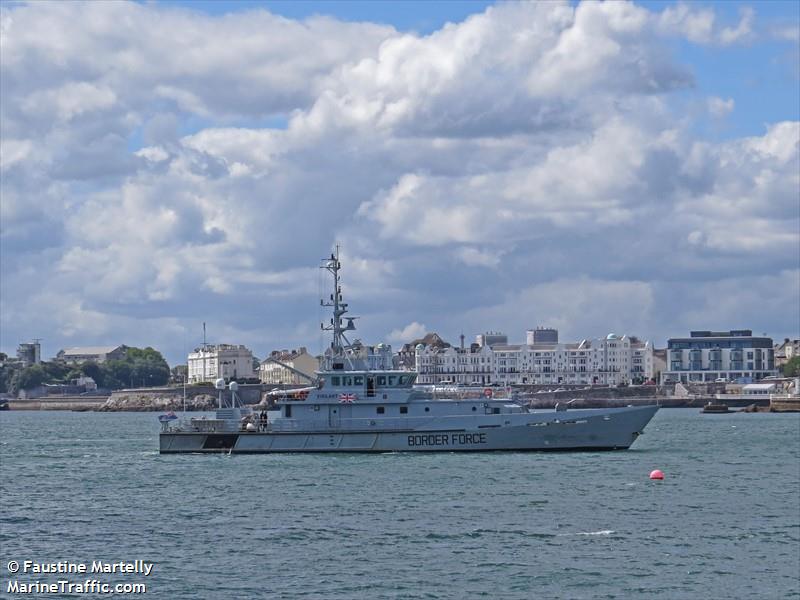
(785,351)
(473,365)
(612,360)
(659,362)
(287,367)
(371,357)
(490,338)
(541,335)
(99,354)
(707,356)
(29,353)
(407,354)
(214,361)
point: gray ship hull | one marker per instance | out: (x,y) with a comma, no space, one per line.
(598,429)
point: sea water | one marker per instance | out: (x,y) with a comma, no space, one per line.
(725,522)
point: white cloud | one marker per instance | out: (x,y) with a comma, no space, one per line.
(525,166)
(578,307)
(410,332)
(742,32)
(699,25)
(475,257)
(720,108)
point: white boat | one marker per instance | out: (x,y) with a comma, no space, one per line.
(362,405)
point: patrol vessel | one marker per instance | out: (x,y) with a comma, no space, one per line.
(361,403)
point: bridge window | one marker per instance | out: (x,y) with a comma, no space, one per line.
(403,410)
(427,409)
(402,380)
(347,381)
(335,381)
(392,380)
(380,410)
(381,379)
(358,380)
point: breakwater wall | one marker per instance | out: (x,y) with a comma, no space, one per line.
(595,393)
(79,403)
(198,397)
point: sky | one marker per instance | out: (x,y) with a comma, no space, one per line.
(595,167)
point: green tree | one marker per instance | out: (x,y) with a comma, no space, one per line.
(6,375)
(95,371)
(117,374)
(55,371)
(792,367)
(139,367)
(28,378)
(74,374)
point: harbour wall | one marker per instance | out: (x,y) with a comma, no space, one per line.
(77,403)
(198,398)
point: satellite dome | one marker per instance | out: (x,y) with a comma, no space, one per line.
(233,385)
(220,384)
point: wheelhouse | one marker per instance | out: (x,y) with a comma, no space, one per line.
(367,384)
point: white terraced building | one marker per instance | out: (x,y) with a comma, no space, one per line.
(299,361)
(213,361)
(612,360)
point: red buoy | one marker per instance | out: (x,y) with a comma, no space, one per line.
(657,474)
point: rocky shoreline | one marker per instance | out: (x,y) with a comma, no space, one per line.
(139,402)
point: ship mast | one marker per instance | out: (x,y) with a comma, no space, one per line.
(332,265)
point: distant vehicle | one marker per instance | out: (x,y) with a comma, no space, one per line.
(721,380)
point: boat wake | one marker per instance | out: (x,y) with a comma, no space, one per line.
(601,532)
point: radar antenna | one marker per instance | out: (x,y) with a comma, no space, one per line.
(339,342)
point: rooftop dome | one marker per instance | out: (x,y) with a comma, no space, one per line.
(612,336)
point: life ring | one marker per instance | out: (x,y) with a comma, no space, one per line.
(487,392)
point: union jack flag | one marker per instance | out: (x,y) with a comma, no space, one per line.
(347,398)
